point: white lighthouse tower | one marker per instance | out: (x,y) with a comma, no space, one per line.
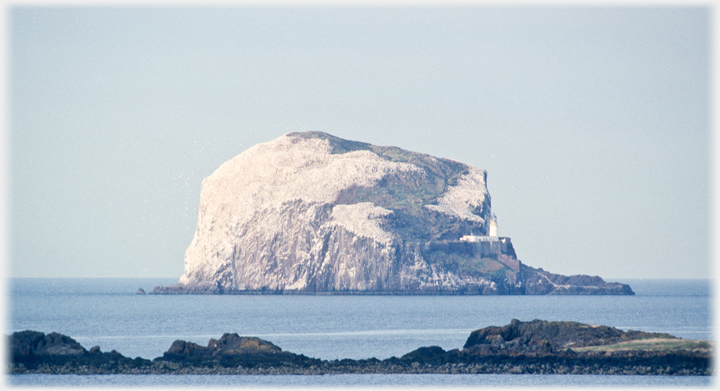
(492,229)
(491,236)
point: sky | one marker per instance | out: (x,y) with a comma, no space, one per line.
(593,123)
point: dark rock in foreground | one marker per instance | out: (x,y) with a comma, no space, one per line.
(36,352)
(228,345)
(536,347)
(541,337)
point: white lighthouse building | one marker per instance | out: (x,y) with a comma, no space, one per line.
(492,229)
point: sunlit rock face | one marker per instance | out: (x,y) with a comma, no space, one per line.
(313,213)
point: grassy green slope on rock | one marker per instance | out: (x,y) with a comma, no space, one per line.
(406,194)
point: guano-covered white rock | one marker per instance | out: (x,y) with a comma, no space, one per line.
(268,216)
(313,213)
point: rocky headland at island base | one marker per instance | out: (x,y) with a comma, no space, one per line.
(311,213)
(536,347)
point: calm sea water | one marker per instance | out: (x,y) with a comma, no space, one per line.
(108,313)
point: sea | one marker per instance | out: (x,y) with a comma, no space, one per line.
(110,314)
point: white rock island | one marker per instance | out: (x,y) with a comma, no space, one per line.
(313,213)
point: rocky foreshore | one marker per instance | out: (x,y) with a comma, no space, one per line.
(536,347)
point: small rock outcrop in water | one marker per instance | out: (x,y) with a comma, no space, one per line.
(34,343)
(313,213)
(537,347)
(229,345)
(548,337)
(36,352)
(140,291)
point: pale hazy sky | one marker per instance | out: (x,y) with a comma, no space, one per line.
(593,123)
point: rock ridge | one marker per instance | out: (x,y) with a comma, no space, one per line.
(538,347)
(542,337)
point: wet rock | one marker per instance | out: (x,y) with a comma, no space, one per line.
(37,352)
(542,337)
(34,343)
(425,354)
(228,345)
(520,347)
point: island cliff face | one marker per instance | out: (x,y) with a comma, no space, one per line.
(313,213)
